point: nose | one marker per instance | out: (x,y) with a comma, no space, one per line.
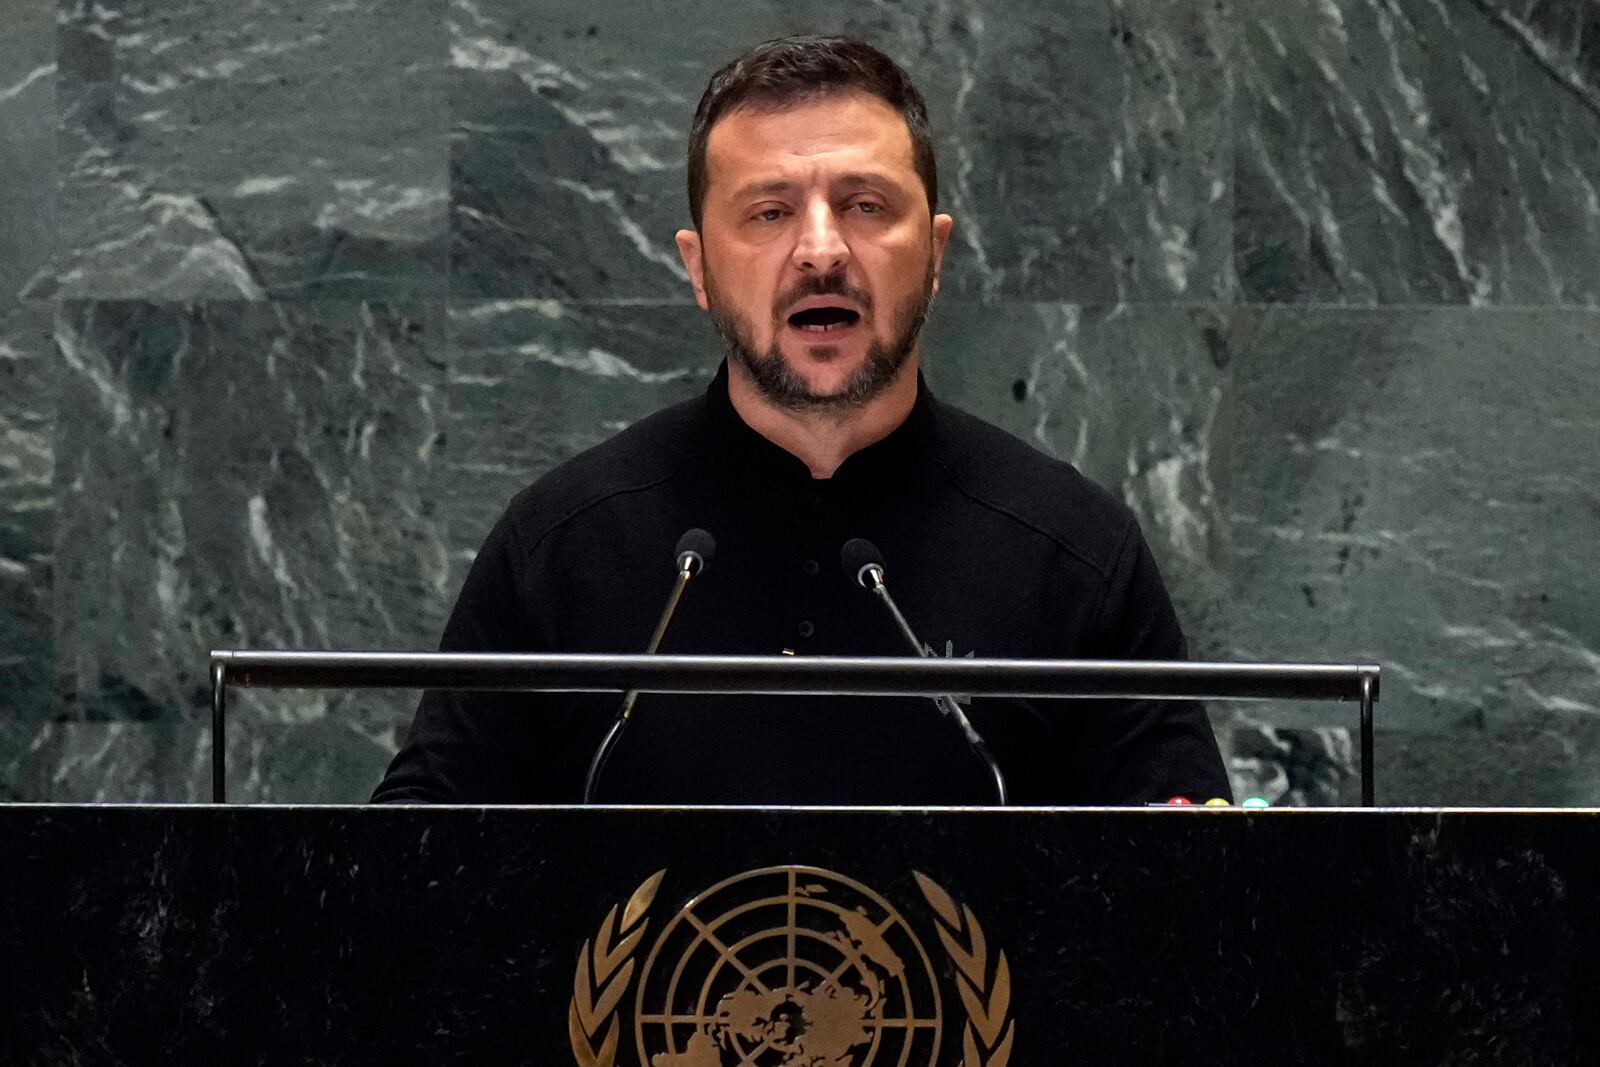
(821,248)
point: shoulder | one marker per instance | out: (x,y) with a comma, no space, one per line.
(642,457)
(997,471)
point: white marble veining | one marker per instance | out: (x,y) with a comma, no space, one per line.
(1309,286)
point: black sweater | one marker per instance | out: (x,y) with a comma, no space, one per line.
(991,548)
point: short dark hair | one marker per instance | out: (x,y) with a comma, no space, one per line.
(787,71)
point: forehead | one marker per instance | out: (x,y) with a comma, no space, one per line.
(826,135)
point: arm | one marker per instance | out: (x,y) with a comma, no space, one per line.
(474,747)
(1134,752)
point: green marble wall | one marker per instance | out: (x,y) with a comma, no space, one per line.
(294,296)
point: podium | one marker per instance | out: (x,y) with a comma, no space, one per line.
(848,937)
(1035,938)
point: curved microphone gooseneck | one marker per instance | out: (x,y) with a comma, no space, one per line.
(864,564)
(693,555)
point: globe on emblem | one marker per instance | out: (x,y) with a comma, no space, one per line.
(788,966)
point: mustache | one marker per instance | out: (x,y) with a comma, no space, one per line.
(824,285)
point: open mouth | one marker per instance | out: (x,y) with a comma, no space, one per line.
(824,320)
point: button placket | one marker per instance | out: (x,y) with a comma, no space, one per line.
(806,567)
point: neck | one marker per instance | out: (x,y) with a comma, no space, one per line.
(824,439)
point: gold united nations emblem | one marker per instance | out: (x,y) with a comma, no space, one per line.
(788,965)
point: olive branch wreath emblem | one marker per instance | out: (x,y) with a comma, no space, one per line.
(986,1039)
(606,968)
(604,976)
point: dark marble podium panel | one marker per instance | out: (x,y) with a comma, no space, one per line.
(453,935)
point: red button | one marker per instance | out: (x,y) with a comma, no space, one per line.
(1179,800)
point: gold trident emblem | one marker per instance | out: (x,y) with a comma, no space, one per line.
(788,965)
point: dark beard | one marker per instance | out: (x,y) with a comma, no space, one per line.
(778,382)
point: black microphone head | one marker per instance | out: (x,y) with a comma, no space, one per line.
(695,549)
(858,556)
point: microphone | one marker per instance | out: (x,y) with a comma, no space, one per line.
(694,552)
(693,556)
(864,564)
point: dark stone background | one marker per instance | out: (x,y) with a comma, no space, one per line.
(293,296)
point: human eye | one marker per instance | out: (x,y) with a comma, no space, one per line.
(767,214)
(869,207)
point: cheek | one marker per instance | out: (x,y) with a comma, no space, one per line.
(759,298)
(748,281)
(903,272)
(754,300)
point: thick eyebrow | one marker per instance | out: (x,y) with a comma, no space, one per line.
(853,180)
(859,179)
(772,187)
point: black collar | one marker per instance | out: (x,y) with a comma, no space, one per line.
(752,454)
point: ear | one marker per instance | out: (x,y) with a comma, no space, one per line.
(693,254)
(941,238)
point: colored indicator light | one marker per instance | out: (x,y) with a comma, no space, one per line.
(1217,802)
(1256,802)
(1179,800)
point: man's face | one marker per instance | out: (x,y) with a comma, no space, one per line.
(816,255)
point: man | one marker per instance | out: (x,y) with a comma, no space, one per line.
(816,251)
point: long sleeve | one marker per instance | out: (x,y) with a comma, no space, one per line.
(1134,752)
(474,747)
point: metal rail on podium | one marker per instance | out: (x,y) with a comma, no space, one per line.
(801,676)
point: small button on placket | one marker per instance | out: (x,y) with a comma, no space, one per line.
(805,629)
(811,568)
